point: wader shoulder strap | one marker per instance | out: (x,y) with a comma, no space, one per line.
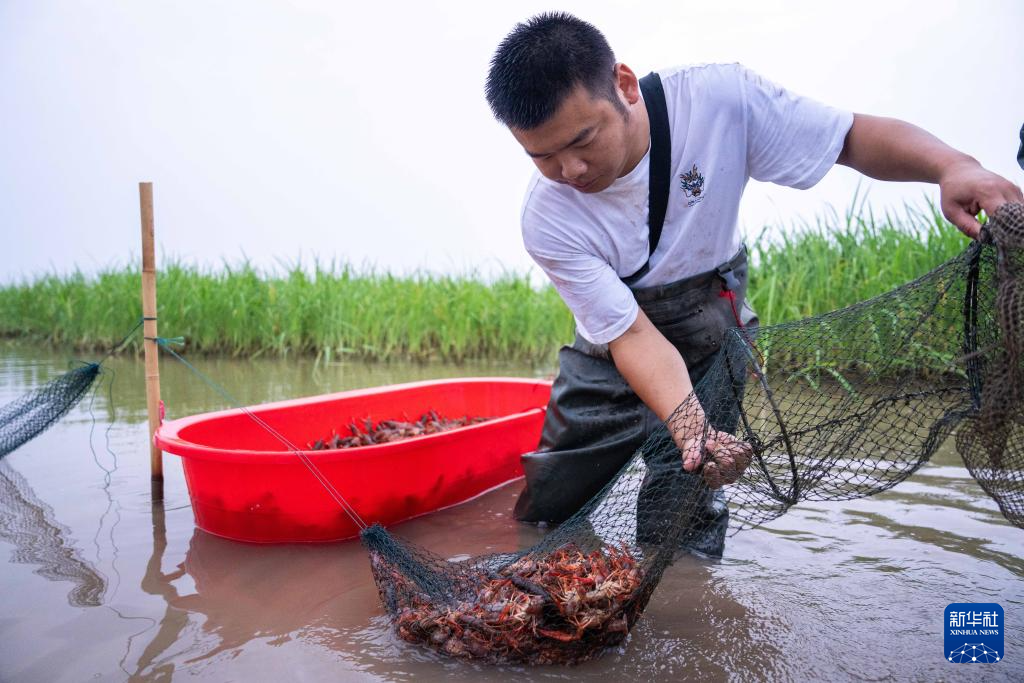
(661,166)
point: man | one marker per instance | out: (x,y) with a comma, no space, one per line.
(633,217)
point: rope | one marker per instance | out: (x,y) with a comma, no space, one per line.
(117,347)
(166,343)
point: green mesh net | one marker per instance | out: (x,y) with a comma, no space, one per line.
(29,415)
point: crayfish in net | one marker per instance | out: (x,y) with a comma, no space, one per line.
(940,355)
(559,608)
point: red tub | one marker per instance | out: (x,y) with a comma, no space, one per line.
(246,485)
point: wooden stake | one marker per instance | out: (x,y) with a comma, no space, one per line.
(149,332)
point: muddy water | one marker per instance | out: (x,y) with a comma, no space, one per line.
(98,584)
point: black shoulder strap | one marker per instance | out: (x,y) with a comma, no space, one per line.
(661,166)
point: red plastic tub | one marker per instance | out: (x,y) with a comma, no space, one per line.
(246,485)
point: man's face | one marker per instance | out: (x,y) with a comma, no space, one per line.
(585,145)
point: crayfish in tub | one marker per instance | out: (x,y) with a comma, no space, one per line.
(388,431)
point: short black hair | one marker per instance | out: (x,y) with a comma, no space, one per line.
(541,61)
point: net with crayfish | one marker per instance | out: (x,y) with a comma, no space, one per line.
(833,407)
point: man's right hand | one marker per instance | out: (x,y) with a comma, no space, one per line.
(724,456)
(658,375)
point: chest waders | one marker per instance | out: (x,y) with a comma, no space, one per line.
(595,422)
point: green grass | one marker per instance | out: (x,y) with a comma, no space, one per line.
(835,261)
(337,311)
(332,312)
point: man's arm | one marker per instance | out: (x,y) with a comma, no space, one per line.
(652,366)
(890,149)
(657,373)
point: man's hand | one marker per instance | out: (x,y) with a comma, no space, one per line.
(966,188)
(724,456)
(658,375)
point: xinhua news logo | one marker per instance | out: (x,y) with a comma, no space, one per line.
(974,633)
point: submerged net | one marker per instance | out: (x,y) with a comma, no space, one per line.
(29,415)
(834,407)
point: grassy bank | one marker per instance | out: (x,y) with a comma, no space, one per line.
(332,312)
(338,311)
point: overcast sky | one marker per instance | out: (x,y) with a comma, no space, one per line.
(359,131)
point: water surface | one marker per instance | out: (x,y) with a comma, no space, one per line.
(98,583)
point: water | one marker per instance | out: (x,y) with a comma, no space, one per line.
(99,584)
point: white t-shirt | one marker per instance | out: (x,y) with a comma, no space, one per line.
(727,125)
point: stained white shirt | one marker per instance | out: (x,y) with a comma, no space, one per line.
(727,125)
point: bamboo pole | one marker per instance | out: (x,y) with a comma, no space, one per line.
(156,464)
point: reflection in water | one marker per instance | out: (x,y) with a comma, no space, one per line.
(29,524)
(156,582)
(243,592)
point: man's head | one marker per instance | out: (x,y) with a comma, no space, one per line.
(555,83)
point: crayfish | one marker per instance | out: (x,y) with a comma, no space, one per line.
(559,608)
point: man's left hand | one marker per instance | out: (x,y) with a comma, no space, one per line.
(967,188)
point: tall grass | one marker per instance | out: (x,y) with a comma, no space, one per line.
(837,260)
(336,311)
(333,312)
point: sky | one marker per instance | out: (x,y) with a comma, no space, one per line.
(292,132)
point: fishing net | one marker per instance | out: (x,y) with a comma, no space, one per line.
(29,415)
(834,407)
